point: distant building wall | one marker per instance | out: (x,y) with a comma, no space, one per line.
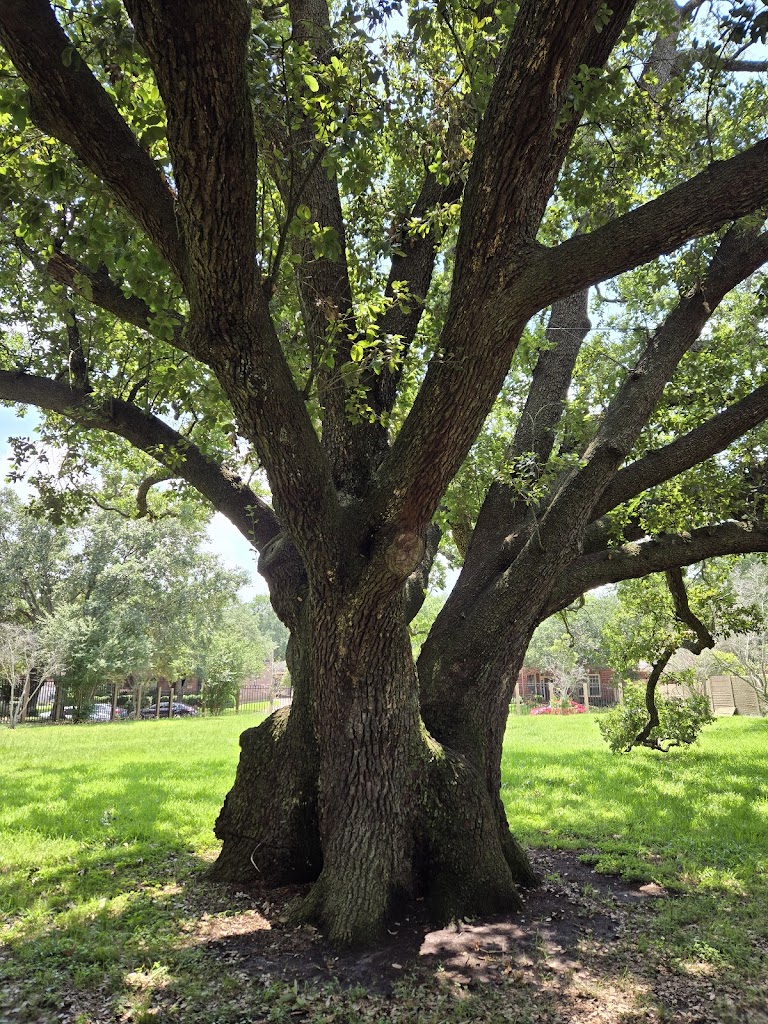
(535,686)
(727,695)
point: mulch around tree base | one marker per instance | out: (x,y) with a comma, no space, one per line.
(574,906)
(575,954)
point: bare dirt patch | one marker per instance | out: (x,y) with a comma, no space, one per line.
(571,955)
(573,906)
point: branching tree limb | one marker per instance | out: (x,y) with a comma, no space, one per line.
(633,560)
(723,192)
(687,451)
(741,252)
(100,289)
(226,492)
(68,102)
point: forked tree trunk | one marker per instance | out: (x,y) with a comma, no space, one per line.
(366,802)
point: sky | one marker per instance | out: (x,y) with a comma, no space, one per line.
(223,539)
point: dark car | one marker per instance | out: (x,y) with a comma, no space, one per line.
(178,710)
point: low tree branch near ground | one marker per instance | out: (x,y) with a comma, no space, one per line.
(701,640)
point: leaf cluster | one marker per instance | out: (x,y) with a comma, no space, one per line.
(680,720)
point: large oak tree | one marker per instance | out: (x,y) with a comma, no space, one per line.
(319,243)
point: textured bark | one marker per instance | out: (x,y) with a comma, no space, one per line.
(357,795)
(269,822)
(369,739)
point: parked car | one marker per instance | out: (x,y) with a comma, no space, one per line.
(572,708)
(98,712)
(178,710)
(103,713)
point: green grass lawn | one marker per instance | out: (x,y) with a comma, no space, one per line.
(104,827)
(694,820)
(696,816)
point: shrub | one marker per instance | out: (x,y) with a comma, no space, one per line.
(680,721)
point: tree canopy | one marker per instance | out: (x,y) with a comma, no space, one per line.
(114,597)
(318,244)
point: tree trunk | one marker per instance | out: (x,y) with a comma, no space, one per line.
(466,704)
(268,823)
(348,787)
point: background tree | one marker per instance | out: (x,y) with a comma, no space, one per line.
(269,626)
(578,631)
(114,597)
(26,660)
(657,617)
(234,649)
(32,562)
(311,243)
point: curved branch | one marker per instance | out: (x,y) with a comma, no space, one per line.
(68,103)
(704,639)
(685,614)
(412,266)
(723,192)
(643,738)
(198,51)
(631,561)
(740,253)
(108,295)
(687,451)
(247,512)
(146,485)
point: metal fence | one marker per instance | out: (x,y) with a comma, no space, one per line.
(263,695)
(597,702)
(54,703)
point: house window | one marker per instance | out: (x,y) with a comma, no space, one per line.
(594,685)
(538,687)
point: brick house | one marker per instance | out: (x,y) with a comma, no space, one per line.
(535,687)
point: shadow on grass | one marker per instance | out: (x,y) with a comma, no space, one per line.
(70,834)
(114,922)
(180,953)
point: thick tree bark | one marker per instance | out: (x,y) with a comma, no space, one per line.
(269,821)
(356,794)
